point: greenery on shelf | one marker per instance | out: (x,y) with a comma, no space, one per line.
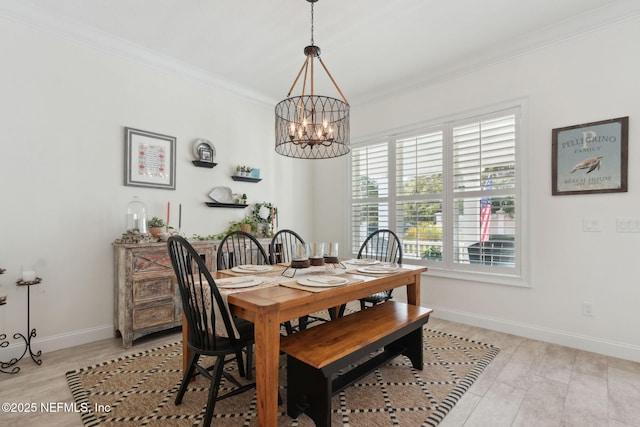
(156,222)
(268,214)
(233,226)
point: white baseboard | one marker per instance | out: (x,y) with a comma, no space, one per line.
(569,339)
(55,342)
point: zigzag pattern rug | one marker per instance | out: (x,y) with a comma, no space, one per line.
(139,390)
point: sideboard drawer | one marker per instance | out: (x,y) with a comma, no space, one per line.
(148,290)
(153,316)
(149,261)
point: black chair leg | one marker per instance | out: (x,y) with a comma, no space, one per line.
(187,377)
(240,362)
(288,327)
(302,322)
(249,352)
(213,391)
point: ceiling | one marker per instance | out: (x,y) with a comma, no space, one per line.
(371,47)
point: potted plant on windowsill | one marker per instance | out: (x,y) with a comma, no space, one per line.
(156,225)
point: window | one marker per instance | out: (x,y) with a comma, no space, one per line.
(450,192)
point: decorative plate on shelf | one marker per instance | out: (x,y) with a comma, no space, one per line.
(199,144)
(222,195)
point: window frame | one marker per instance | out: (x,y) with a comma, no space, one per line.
(518,276)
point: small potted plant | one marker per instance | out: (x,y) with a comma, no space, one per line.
(244,198)
(156,225)
(238,169)
(246,225)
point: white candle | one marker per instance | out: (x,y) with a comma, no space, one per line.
(28,276)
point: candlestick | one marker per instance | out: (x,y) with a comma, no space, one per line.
(168,212)
(179,216)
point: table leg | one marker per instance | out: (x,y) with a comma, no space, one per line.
(413,290)
(267,353)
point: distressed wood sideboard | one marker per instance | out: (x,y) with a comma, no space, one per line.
(147,298)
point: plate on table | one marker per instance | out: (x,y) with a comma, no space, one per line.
(323,281)
(248,268)
(380,269)
(238,282)
(222,195)
(363,261)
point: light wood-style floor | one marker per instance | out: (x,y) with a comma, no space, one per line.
(529,383)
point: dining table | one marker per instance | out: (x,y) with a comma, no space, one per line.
(286,299)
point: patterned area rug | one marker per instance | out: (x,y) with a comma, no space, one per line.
(139,390)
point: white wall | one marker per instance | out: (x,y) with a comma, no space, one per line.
(64,106)
(587,78)
(63,109)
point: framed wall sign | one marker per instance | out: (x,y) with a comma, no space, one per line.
(150,159)
(590,158)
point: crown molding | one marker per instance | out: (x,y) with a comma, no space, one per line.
(27,14)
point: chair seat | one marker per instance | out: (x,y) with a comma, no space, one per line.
(224,345)
(377,298)
(384,246)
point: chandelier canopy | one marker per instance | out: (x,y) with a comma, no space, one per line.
(312,126)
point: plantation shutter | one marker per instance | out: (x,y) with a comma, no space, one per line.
(369,190)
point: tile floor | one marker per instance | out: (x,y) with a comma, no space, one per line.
(529,383)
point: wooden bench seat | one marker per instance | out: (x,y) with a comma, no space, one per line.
(319,359)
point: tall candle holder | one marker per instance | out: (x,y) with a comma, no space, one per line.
(4,343)
(31,333)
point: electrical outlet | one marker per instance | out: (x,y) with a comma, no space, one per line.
(587,309)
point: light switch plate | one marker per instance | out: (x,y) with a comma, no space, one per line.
(627,225)
(590,224)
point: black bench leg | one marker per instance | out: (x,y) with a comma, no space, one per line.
(413,348)
(308,391)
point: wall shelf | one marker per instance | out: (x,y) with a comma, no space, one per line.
(245,178)
(202,164)
(226,205)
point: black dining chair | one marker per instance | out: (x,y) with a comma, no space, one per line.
(212,329)
(384,246)
(239,248)
(281,250)
(283,245)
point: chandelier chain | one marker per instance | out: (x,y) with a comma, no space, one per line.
(312,24)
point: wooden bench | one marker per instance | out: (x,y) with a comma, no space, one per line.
(316,356)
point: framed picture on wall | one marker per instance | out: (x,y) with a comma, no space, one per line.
(150,159)
(206,154)
(590,158)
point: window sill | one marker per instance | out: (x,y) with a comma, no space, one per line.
(478,277)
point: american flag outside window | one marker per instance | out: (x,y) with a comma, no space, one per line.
(485,212)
